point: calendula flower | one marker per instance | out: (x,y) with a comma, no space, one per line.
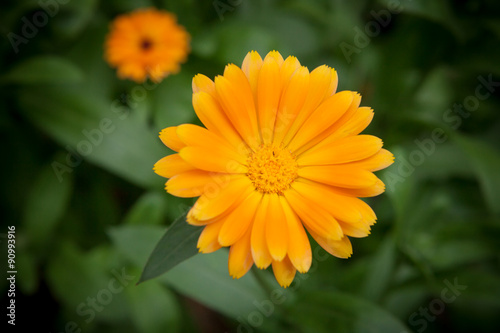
(146,43)
(281,154)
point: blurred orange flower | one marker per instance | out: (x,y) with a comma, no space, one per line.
(146,43)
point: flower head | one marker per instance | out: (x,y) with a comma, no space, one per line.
(281,154)
(146,43)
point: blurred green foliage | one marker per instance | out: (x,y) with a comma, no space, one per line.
(79,146)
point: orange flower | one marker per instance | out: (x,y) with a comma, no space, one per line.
(146,43)
(281,154)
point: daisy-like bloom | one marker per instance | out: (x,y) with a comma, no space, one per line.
(146,43)
(281,154)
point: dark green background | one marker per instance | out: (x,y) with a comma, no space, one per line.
(81,220)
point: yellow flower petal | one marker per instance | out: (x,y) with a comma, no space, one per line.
(349,149)
(355,125)
(201,83)
(238,79)
(357,230)
(194,183)
(333,83)
(319,82)
(170,139)
(364,192)
(242,115)
(268,97)
(277,57)
(381,160)
(239,220)
(251,67)
(339,248)
(313,216)
(367,213)
(327,113)
(289,66)
(275,229)
(214,159)
(215,120)
(293,97)
(171,165)
(260,251)
(339,206)
(284,271)
(240,256)
(331,133)
(341,175)
(299,249)
(196,136)
(208,240)
(347,116)
(210,205)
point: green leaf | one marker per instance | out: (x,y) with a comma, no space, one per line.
(154,308)
(338,312)
(101,131)
(434,95)
(230,42)
(447,161)
(381,270)
(177,245)
(486,163)
(442,253)
(43,70)
(204,278)
(77,15)
(296,37)
(76,278)
(47,201)
(86,52)
(144,238)
(400,181)
(477,303)
(433,10)
(148,209)
(171,101)
(403,300)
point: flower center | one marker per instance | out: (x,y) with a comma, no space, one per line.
(146,44)
(272,169)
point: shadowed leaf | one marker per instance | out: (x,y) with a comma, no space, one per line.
(177,245)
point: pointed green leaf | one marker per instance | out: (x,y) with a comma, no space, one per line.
(177,245)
